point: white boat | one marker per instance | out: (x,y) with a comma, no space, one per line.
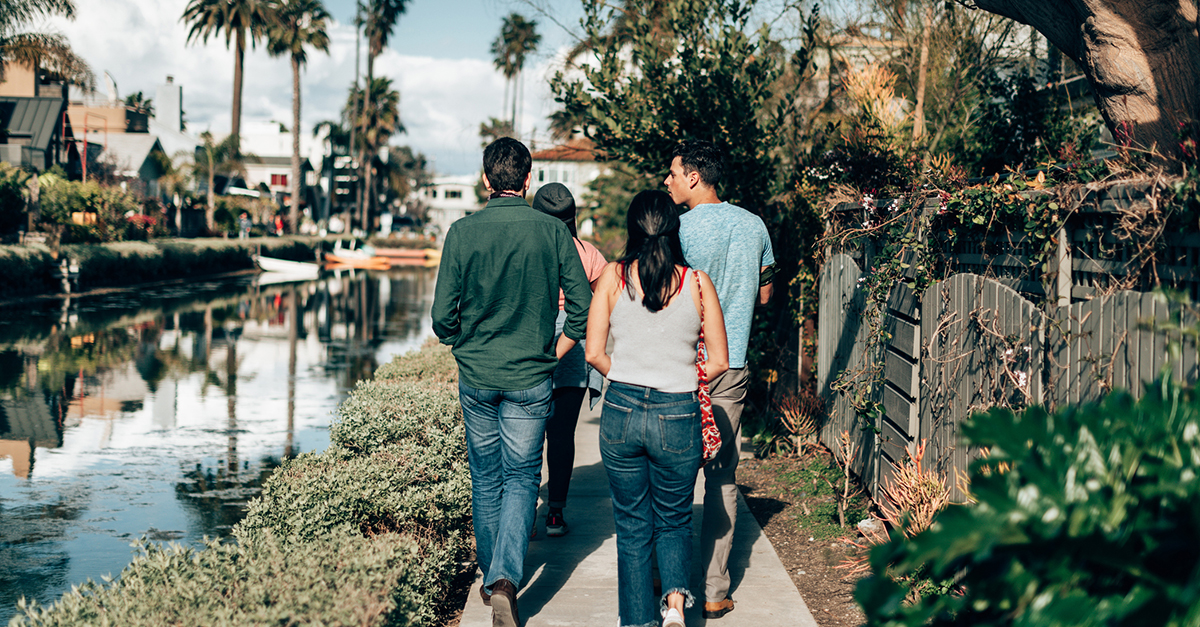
(298,269)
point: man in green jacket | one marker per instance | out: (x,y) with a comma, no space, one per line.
(496,303)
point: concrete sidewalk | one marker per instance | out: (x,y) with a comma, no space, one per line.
(572,580)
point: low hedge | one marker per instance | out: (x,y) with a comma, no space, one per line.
(29,269)
(372,531)
(26,270)
(344,580)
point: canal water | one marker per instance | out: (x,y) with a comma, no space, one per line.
(158,412)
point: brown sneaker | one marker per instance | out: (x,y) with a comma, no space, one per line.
(718,609)
(504,605)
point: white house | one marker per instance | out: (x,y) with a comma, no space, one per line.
(450,198)
(574,165)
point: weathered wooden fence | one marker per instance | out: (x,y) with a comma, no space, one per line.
(972,342)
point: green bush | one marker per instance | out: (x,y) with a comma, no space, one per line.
(434,362)
(12,198)
(1088,516)
(383,413)
(25,270)
(345,580)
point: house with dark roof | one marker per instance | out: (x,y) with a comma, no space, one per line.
(31,118)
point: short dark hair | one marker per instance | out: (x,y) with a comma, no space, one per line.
(506,163)
(697,155)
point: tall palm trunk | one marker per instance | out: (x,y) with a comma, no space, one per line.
(239,57)
(210,209)
(367,156)
(294,214)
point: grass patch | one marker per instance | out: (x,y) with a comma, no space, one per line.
(805,482)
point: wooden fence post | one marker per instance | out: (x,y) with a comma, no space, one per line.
(1063,273)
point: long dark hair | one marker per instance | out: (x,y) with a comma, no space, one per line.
(653,228)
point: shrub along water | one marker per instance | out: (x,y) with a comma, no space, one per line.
(30,269)
(1087,516)
(371,531)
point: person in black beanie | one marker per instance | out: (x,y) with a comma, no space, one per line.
(573,376)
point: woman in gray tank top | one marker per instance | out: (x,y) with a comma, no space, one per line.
(650,301)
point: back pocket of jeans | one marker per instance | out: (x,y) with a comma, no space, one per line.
(680,432)
(614,421)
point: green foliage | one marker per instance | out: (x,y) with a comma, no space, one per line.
(607,201)
(26,270)
(1020,124)
(345,580)
(691,69)
(1087,516)
(810,480)
(60,199)
(432,363)
(12,198)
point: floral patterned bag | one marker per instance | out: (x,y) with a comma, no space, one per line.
(709,432)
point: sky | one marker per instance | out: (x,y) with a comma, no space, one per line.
(438,57)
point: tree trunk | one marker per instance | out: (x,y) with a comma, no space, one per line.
(294,214)
(239,57)
(922,70)
(367,154)
(1142,58)
(210,210)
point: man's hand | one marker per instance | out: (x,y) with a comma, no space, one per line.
(565,344)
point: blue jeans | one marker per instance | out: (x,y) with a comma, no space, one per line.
(650,442)
(504,450)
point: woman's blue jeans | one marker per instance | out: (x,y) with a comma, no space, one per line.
(504,450)
(650,443)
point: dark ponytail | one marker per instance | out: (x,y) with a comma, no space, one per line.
(653,229)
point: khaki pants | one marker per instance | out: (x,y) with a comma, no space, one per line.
(720,483)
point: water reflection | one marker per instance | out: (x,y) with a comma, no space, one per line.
(160,412)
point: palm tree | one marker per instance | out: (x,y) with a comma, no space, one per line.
(213,158)
(46,51)
(379,122)
(140,103)
(520,38)
(237,19)
(503,60)
(299,24)
(381,17)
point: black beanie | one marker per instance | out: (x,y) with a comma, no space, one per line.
(556,200)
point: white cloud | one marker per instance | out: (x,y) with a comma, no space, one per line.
(443,101)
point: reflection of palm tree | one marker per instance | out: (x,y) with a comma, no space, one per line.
(299,24)
(237,19)
(381,18)
(45,51)
(293,334)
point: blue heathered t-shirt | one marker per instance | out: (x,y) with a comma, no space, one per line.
(731,246)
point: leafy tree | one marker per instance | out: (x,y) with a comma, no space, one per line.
(714,80)
(237,20)
(38,50)
(299,24)
(140,103)
(405,172)
(1142,58)
(215,159)
(378,120)
(494,129)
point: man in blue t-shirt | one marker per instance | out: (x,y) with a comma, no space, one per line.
(731,245)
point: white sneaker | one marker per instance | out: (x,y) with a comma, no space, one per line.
(672,618)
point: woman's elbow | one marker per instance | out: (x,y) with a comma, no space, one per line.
(591,356)
(717,367)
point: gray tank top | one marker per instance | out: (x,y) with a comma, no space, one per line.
(656,349)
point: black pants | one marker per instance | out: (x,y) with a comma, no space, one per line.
(560,442)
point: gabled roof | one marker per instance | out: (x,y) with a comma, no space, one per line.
(578,149)
(31,117)
(128,150)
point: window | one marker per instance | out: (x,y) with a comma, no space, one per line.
(279,180)
(453,193)
(433,193)
(541,175)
